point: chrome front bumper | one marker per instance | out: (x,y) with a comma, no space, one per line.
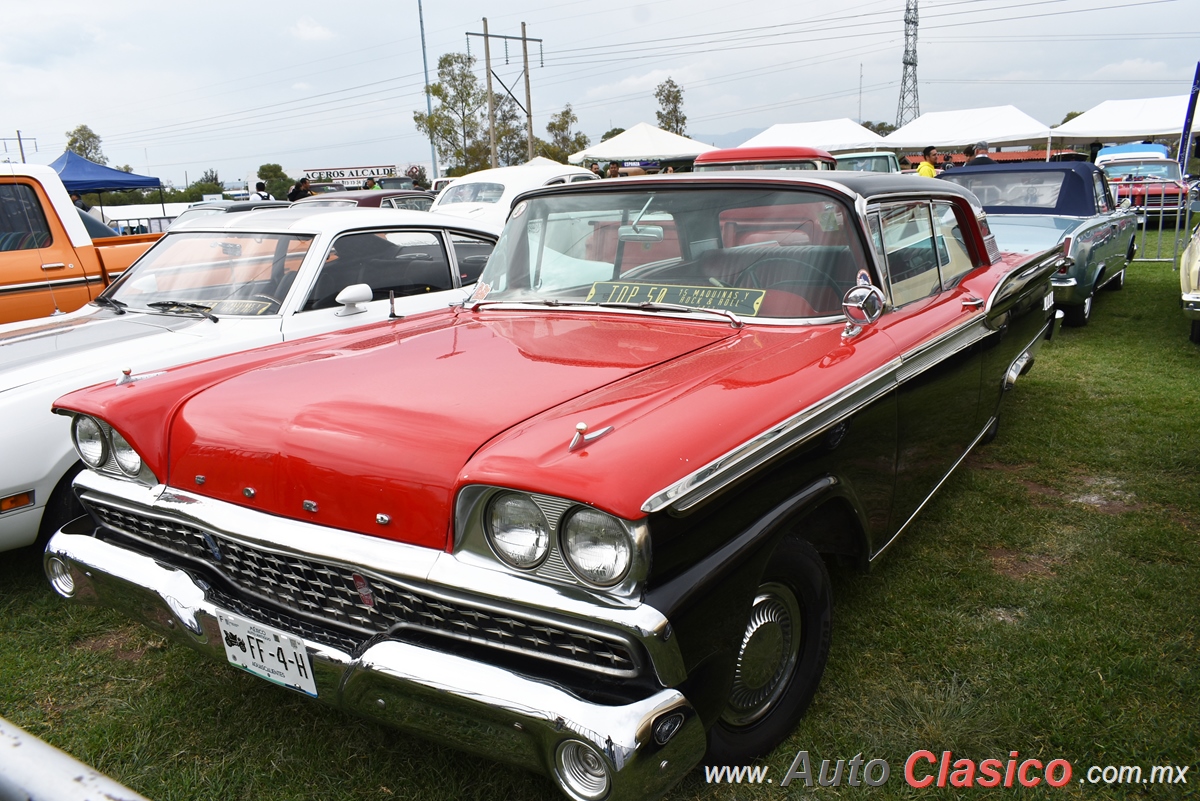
(1191,305)
(467,704)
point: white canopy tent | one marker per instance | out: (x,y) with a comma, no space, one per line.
(839,135)
(1127,120)
(996,125)
(642,142)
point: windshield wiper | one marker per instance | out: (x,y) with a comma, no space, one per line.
(738,322)
(115,305)
(166,305)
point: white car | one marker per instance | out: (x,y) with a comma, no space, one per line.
(487,195)
(230,283)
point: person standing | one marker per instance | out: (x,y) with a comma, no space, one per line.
(614,170)
(260,192)
(595,168)
(300,190)
(928,167)
(981,155)
(370,184)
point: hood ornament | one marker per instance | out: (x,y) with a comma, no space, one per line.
(582,437)
(127,376)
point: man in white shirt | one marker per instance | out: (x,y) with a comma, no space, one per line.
(260,192)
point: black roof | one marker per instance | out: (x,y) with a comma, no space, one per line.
(1083,168)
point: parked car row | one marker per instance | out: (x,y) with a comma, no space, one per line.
(579,519)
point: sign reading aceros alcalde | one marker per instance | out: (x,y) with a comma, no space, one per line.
(351,176)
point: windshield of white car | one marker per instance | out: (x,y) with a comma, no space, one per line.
(225,273)
(1142,171)
(755,253)
(471,192)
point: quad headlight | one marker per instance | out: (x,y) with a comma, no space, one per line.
(90,442)
(127,458)
(517,530)
(597,547)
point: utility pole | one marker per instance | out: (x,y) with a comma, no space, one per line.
(487,56)
(909,107)
(528,105)
(428,100)
(528,99)
(20,144)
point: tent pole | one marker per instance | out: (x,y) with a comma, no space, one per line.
(161,202)
(1049,136)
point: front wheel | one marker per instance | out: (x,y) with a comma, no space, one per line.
(780,657)
(1195,336)
(1118,283)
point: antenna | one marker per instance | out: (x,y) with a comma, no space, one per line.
(909,107)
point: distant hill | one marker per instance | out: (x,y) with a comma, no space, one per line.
(727,139)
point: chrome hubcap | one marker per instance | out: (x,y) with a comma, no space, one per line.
(769,650)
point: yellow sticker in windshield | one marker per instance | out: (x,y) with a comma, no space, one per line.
(739,301)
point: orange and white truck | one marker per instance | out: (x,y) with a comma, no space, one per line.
(49,263)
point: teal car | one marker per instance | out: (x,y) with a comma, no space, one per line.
(1033,207)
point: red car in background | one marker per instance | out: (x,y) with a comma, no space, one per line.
(765,158)
(1147,176)
(413,199)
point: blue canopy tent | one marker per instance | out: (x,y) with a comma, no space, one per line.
(80,175)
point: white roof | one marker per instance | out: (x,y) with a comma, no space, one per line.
(1123,120)
(143,211)
(642,141)
(832,135)
(995,125)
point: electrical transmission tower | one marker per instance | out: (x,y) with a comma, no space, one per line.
(909,107)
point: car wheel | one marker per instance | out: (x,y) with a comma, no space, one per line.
(1077,316)
(1195,337)
(61,508)
(1118,283)
(990,434)
(780,657)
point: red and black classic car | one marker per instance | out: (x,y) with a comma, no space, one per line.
(580,522)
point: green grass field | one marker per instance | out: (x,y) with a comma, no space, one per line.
(1046,602)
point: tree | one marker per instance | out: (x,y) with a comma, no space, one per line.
(610,133)
(670,103)
(83,141)
(210,177)
(1070,116)
(881,128)
(125,168)
(562,141)
(512,140)
(277,181)
(455,125)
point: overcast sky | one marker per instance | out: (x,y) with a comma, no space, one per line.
(177,88)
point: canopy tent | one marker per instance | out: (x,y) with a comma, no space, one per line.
(832,135)
(643,142)
(1127,120)
(80,175)
(996,125)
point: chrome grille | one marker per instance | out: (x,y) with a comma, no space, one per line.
(326,594)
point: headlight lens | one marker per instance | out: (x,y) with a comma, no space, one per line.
(90,441)
(517,530)
(596,547)
(127,458)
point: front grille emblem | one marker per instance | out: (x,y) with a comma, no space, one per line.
(212,547)
(364,589)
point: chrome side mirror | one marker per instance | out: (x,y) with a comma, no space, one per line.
(1125,204)
(862,305)
(351,296)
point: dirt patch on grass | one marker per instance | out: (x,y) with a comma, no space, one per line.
(1017,565)
(1107,495)
(128,645)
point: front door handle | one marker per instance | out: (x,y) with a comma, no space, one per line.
(973,303)
(58,265)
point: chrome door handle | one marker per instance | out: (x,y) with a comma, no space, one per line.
(973,303)
(58,265)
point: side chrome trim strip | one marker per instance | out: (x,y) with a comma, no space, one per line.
(58,283)
(696,487)
(946,345)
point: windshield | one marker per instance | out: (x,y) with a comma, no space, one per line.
(233,274)
(756,253)
(473,192)
(865,164)
(759,165)
(1142,171)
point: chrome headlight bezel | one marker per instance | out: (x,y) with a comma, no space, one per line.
(128,460)
(118,457)
(96,436)
(471,544)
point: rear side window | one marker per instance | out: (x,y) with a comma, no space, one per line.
(22,222)
(912,255)
(471,253)
(953,257)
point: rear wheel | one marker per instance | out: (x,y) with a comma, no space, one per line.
(1195,337)
(780,657)
(1077,316)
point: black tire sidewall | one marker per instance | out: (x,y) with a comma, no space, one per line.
(796,564)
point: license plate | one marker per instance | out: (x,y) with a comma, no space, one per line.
(267,653)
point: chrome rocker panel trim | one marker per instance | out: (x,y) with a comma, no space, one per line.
(467,704)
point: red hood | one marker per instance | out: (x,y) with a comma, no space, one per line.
(393,419)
